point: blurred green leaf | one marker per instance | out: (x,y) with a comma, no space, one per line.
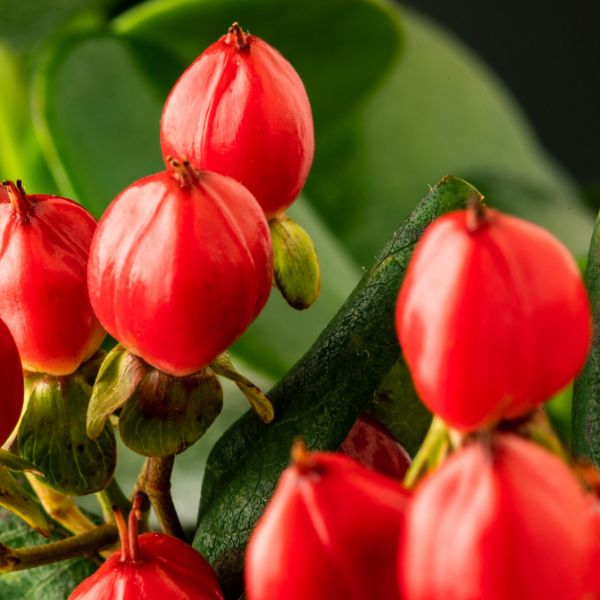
(440,111)
(319,398)
(585,439)
(51,582)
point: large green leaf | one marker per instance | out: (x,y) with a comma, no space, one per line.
(319,398)
(439,111)
(586,391)
(51,582)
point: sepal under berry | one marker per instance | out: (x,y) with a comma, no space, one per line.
(52,436)
(166,415)
(296,269)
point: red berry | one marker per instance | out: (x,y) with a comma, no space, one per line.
(11,383)
(241,110)
(331,530)
(493,317)
(375,447)
(180,265)
(43,292)
(497,521)
(152,566)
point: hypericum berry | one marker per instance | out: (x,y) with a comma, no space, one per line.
(11,383)
(43,290)
(502,519)
(241,110)
(331,530)
(374,446)
(180,265)
(493,317)
(152,566)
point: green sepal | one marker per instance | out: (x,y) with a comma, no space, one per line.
(261,405)
(16,499)
(296,267)
(12,462)
(166,414)
(117,379)
(52,436)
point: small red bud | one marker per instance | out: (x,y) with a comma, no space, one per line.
(43,292)
(375,447)
(180,265)
(241,110)
(497,521)
(331,530)
(493,317)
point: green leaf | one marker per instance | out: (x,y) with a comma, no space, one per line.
(317,37)
(440,111)
(397,404)
(51,582)
(53,437)
(319,398)
(586,391)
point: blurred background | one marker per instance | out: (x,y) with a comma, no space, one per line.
(501,94)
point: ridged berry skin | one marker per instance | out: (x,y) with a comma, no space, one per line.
(11,383)
(493,317)
(167,568)
(178,269)
(331,530)
(241,109)
(44,245)
(499,521)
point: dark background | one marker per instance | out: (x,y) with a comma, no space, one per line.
(548,54)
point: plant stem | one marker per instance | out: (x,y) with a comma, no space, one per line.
(431,452)
(112,495)
(17,559)
(155,482)
(63,509)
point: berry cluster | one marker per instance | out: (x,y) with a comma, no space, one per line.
(177,268)
(492,318)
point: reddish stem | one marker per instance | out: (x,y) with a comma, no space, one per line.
(134,517)
(236,35)
(477,212)
(301,457)
(123,534)
(17,197)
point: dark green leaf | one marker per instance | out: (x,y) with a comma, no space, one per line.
(319,398)
(586,391)
(397,405)
(51,582)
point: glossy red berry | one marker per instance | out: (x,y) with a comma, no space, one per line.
(180,265)
(493,317)
(152,566)
(43,290)
(374,446)
(331,530)
(11,383)
(497,521)
(241,110)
